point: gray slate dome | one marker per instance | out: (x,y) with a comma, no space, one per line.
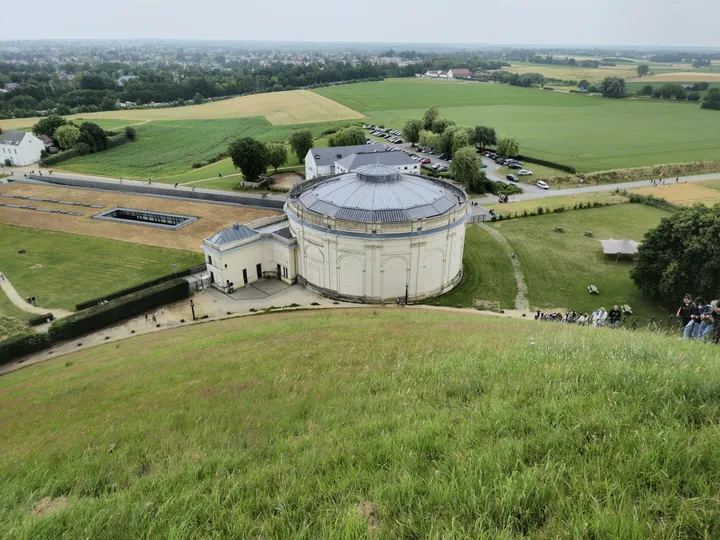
(378,193)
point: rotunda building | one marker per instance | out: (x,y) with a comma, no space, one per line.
(378,234)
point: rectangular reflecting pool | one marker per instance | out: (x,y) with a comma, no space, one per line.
(146,217)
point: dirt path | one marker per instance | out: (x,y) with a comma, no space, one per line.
(20,302)
(521,301)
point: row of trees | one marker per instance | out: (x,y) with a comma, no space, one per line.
(669,91)
(460,142)
(87,138)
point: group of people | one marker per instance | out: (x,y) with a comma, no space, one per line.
(599,317)
(701,320)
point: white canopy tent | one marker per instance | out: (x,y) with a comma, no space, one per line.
(619,247)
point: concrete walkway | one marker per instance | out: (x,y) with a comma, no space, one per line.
(20,303)
(521,301)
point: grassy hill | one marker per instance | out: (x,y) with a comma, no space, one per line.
(589,133)
(360,423)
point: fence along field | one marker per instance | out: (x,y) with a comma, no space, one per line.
(586,132)
(280,108)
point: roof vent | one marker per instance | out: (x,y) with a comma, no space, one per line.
(236,226)
(317,156)
(339,156)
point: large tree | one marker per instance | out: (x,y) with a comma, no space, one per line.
(483,136)
(508,147)
(411,131)
(48,125)
(67,135)
(430,116)
(454,138)
(301,142)
(351,136)
(441,124)
(276,155)
(643,70)
(250,156)
(465,168)
(681,255)
(428,138)
(613,87)
(93,136)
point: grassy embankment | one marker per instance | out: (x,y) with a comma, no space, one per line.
(367,423)
(62,269)
(585,132)
(557,266)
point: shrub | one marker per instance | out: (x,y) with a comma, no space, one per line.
(13,348)
(41,319)
(118,309)
(197,165)
(130,133)
(82,149)
(546,163)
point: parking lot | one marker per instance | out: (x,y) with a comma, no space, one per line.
(491,168)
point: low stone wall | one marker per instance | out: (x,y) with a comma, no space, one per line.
(164,190)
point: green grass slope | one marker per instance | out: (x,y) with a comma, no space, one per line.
(350,424)
(589,133)
(165,148)
(74,268)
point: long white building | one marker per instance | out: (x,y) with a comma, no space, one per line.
(365,236)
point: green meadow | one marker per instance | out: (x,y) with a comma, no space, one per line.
(365,423)
(587,132)
(62,269)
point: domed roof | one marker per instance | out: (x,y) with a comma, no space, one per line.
(378,193)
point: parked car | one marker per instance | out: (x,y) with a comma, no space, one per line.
(524,172)
(512,177)
(542,185)
(483,166)
(425,161)
(443,168)
(514,165)
(436,166)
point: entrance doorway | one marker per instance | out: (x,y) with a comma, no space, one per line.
(277,272)
(245,280)
(258,269)
(212,277)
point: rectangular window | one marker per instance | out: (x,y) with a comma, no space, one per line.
(285,272)
(209,260)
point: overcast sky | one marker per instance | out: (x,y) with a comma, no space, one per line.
(557,22)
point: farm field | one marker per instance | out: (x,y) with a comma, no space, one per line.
(558,266)
(62,269)
(683,76)
(712,184)
(279,108)
(636,86)
(396,423)
(488,274)
(592,75)
(567,201)
(684,194)
(164,149)
(586,132)
(211,217)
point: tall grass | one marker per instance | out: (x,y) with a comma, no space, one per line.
(360,423)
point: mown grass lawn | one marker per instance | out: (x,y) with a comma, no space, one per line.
(558,266)
(12,319)
(567,201)
(62,269)
(167,148)
(381,423)
(586,132)
(488,274)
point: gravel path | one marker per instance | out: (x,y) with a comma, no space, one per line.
(521,301)
(20,302)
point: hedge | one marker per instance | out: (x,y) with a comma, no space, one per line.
(41,319)
(713,105)
(118,309)
(565,168)
(13,348)
(59,158)
(129,290)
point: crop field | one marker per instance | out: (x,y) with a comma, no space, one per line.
(683,194)
(62,269)
(712,184)
(558,266)
(593,75)
(211,217)
(279,108)
(683,76)
(362,423)
(167,148)
(586,132)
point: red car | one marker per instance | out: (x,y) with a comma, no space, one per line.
(425,161)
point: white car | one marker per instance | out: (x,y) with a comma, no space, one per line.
(542,185)
(524,172)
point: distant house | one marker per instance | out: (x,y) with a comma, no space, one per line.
(321,161)
(400,160)
(20,148)
(122,81)
(460,73)
(49,144)
(687,86)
